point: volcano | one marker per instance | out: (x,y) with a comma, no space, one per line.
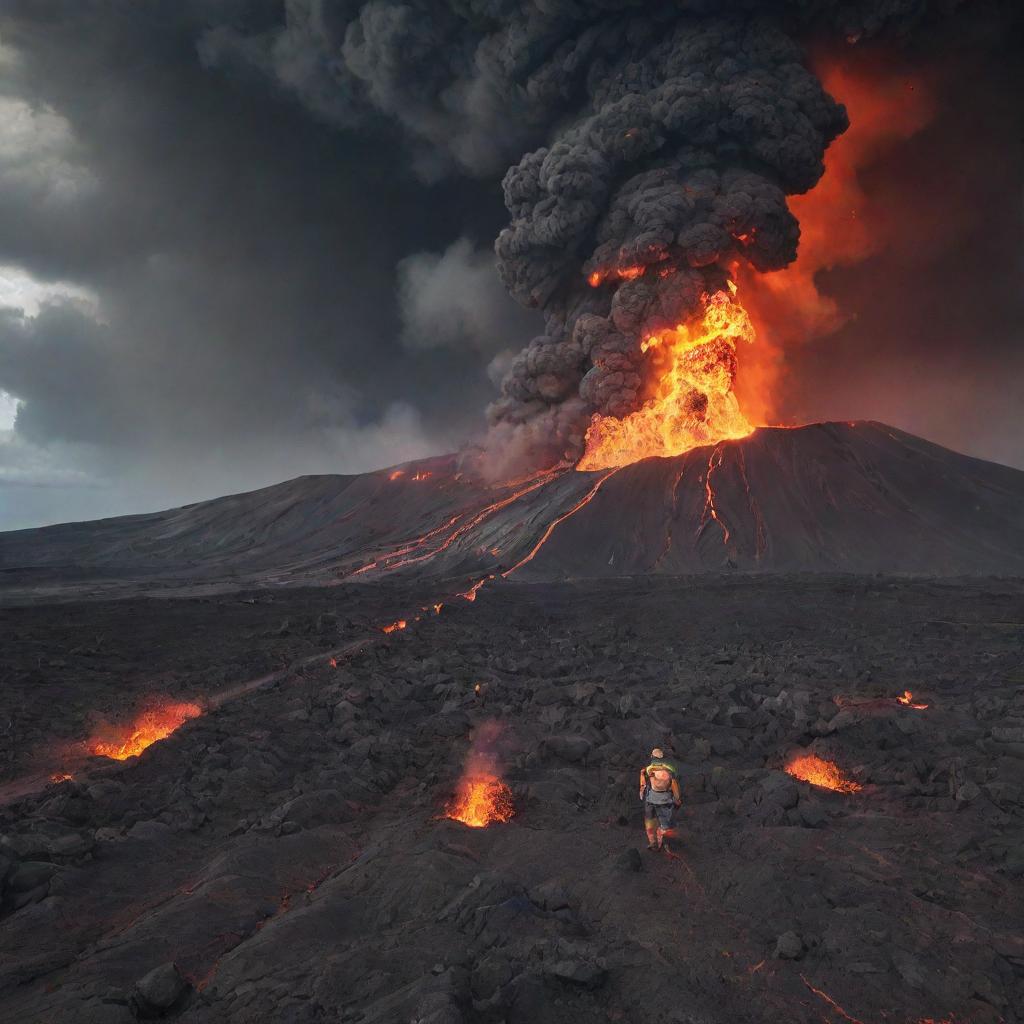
(830,497)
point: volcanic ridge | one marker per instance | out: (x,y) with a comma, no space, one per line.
(831,497)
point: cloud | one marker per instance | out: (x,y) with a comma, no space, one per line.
(454,299)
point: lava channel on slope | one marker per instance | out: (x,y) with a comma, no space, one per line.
(148,727)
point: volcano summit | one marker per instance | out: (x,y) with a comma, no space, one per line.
(835,497)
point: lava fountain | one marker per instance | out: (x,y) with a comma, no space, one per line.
(819,772)
(149,727)
(691,402)
(481,797)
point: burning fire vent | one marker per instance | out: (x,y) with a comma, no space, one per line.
(819,772)
(149,727)
(482,797)
(481,800)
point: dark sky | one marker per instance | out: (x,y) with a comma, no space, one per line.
(208,285)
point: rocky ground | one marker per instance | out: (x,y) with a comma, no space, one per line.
(284,858)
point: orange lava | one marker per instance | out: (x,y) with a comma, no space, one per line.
(396,473)
(391,627)
(470,595)
(149,727)
(423,474)
(61,777)
(831,1002)
(907,700)
(818,772)
(481,800)
(693,404)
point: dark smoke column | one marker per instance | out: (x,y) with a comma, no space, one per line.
(670,134)
(697,131)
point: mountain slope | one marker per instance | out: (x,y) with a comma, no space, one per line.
(856,497)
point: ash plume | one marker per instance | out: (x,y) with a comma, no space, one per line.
(654,145)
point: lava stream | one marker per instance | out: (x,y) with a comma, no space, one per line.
(710,510)
(587,498)
(537,481)
(149,727)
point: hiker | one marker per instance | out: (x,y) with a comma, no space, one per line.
(659,792)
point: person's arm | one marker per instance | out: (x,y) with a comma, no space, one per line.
(675,790)
(643,783)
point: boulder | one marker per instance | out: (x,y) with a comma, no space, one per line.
(789,946)
(584,973)
(159,990)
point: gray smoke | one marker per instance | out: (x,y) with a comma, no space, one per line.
(662,138)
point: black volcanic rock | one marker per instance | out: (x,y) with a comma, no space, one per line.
(848,497)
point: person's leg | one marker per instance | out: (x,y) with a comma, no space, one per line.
(664,824)
(651,824)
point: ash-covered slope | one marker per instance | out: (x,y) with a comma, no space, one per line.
(856,497)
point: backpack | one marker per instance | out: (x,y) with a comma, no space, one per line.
(660,778)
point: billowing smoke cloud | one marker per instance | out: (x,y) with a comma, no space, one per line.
(454,299)
(668,140)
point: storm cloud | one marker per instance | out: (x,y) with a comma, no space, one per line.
(257,235)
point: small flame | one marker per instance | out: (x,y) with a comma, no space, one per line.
(149,727)
(391,627)
(482,799)
(333,663)
(422,474)
(818,772)
(907,701)
(396,473)
(61,777)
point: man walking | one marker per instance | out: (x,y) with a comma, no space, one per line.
(659,792)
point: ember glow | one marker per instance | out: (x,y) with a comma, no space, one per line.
(392,627)
(818,772)
(481,800)
(149,727)
(423,474)
(693,367)
(907,700)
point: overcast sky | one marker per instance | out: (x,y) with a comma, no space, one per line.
(206,287)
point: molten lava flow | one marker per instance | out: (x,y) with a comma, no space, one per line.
(585,500)
(692,403)
(150,726)
(818,772)
(391,627)
(394,560)
(396,473)
(481,800)
(907,701)
(61,777)
(831,1002)
(423,474)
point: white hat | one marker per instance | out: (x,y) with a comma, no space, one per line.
(657,752)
